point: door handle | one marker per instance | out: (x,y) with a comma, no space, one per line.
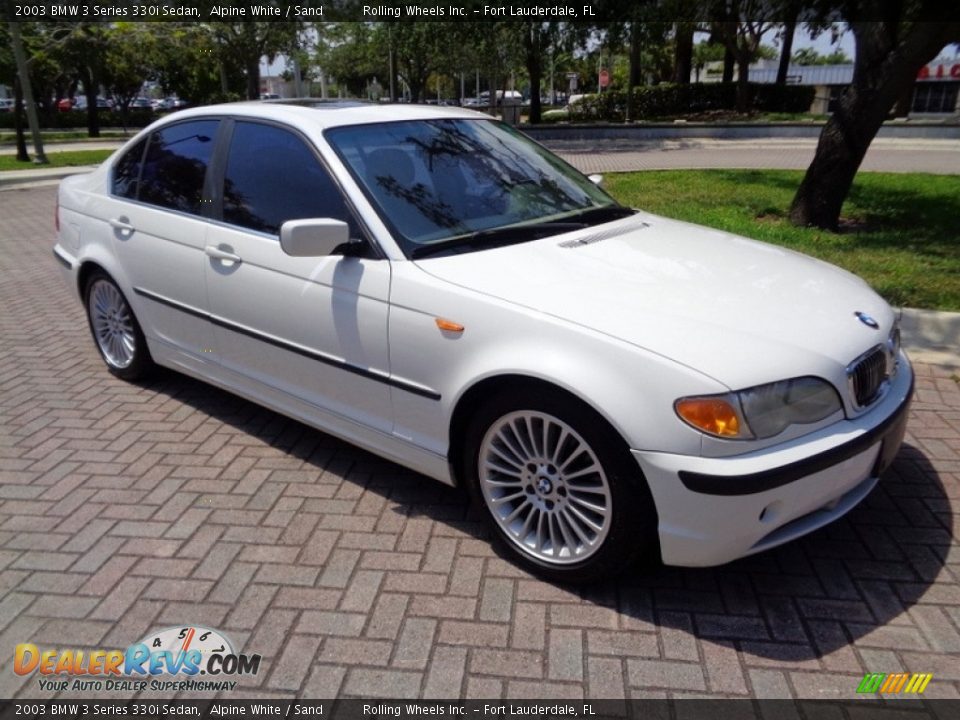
(219,254)
(121,223)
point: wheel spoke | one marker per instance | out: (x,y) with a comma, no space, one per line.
(513,462)
(568,539)
(540,518)
(575,498)
(507,498)
(571,520)
(517,511)
(517,450)
(584,519)
(558,448)
(592,470)
(528,451)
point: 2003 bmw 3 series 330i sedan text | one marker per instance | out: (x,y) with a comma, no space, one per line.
(433,286)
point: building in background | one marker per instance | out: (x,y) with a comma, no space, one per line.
(936,92)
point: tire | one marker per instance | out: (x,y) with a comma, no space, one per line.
(116,332)
(559,488)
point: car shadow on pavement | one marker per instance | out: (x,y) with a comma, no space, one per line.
(848,584)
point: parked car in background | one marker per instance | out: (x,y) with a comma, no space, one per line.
(80,103)
(431,285)
(7,104)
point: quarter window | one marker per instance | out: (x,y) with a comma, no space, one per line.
(126,173)
(176,164)
(273,176)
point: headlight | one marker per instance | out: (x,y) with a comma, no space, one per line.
(762,411)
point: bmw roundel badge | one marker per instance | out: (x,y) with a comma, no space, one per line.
(867,320)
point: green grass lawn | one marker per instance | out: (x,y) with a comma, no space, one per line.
(901,231)
(67,158)
(9,137)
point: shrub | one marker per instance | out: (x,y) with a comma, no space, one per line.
(74,120)
(669,100)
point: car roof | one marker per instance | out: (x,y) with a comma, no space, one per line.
(325,114)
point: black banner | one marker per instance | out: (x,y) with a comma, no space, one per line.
(598,11)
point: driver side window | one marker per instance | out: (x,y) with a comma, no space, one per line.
(272,176)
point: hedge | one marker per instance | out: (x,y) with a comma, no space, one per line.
(76,119)
(669,100)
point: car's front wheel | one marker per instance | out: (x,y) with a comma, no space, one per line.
(561,491)
(115,329)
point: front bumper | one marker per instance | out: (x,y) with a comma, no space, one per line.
(714,510)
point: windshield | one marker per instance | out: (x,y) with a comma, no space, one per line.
(452,185)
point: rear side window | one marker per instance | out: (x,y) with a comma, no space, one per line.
(175,165)
(273,176)
(126,173)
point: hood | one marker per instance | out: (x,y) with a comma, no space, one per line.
(738,310)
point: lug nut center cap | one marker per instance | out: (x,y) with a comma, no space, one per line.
(544,486)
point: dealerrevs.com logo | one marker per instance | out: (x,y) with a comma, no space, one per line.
(171,660)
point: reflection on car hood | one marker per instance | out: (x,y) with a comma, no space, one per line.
(708,299)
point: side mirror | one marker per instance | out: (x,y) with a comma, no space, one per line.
(313,237)
(596,179)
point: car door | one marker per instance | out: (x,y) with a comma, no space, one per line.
(314,328)
(156,211)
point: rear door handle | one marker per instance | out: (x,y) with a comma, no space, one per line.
(219,254)
(121,223)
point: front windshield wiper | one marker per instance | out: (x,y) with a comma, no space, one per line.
(497,237)
(607,213)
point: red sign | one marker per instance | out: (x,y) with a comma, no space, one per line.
(939,72)
(604,78)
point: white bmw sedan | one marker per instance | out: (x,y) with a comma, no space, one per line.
(436,288)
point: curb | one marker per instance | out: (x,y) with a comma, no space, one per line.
(931,336)
(36,177)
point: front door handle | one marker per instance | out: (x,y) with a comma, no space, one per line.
(121,223)
(219,254)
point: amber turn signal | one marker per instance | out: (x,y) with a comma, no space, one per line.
(448,325)
(715,415)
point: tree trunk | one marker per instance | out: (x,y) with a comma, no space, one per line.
(904,103)
(743,81)
(20,58)
(634,79)
(885,66)
(683,53)
(93,112)
(532,45)
(22,154)
(785,51)
(253,78)
(729,60)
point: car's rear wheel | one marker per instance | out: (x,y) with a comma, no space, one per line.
(115,329)
(559,487)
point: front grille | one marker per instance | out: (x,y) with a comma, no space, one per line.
(866,376)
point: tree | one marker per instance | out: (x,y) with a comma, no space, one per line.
(786,45)
(742,32)
(23,75)
(129,60)
(809,56)
(888,56)
(247,42)
(353,53)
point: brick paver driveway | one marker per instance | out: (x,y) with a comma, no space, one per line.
(127,508)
